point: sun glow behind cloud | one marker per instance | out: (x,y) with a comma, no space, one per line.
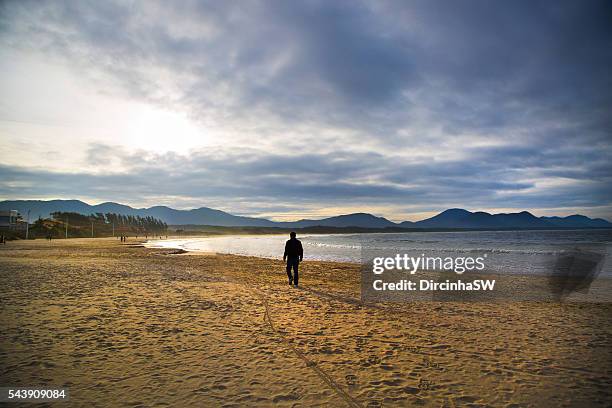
(65,114)
(160,130)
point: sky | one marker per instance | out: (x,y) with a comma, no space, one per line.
(307,109)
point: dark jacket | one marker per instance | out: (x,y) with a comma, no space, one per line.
(293,248)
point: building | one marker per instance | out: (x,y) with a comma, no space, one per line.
(11,220)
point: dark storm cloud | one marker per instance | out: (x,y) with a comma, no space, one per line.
(511,92)
(470,64)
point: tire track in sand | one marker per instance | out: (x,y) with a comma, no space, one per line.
(351,402)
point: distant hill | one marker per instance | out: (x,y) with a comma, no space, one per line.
(459,218)
(455,218)
(577,221)
(202,216)
(205,216)
(363,220)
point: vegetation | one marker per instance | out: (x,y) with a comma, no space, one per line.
(96,225)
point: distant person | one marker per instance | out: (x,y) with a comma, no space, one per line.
(294,253)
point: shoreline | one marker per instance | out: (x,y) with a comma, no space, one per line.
(515,286)
(129,325)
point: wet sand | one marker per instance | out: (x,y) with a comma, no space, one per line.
(123,325)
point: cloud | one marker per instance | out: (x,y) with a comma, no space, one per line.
(226,179)
(471,66)
(424,103)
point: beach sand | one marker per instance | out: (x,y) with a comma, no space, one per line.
(123,325)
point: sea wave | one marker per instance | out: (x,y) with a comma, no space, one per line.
(465,250)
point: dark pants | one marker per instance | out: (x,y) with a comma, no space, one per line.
(293,262)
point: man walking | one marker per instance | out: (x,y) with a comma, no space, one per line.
(293,255)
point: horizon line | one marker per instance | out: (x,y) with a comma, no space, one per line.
(435,212)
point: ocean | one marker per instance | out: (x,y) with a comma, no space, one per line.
(512,252)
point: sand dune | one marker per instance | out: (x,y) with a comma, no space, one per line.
(132,326)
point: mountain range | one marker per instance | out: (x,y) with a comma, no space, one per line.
(455,218)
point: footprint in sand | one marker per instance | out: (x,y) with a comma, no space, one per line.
(411,349)
(425,384)
(285,397)
(430,363)
(351,380)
